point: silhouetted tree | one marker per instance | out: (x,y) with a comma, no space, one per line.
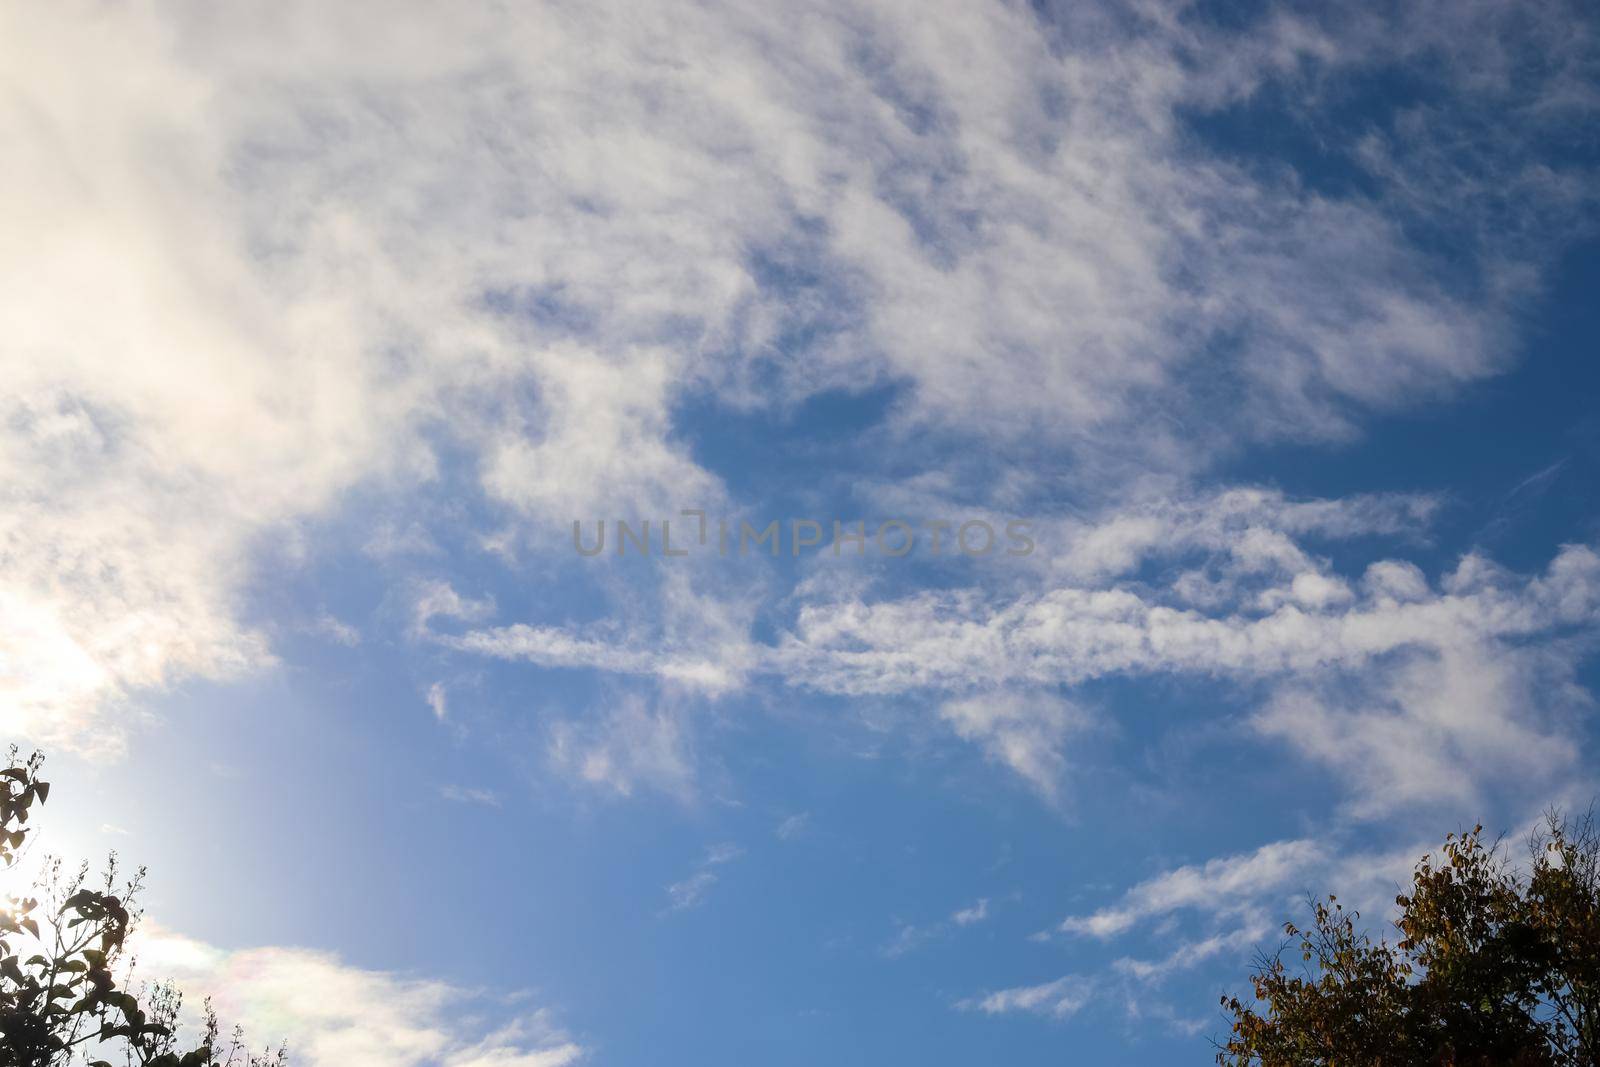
(61,966)
(1495,965)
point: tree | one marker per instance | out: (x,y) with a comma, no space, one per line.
(62,970)
(1495,964)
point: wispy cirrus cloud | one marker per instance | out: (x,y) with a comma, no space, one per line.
(691,892)
(631,743)
(462,794)
(1025,731)
(1059,999)
(1224,882)
(793,826)
(1197,913)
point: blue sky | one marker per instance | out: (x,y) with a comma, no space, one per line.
(323,327)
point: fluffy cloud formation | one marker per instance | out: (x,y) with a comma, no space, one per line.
(335,1015)
(260,258)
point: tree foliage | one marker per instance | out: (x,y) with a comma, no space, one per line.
(1495,964)
(63,976)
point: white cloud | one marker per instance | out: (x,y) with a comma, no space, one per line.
(1271,607)
(793,826)
(334,1015)
(1238,900)
(1250,529)
(335,630)
(908,937)
(1069,634)
(691,892)
(1225,905)
(1435,726)
(553,646)
(1025,731)
(1192,953)
(391,540)
(694,641)
(627,745)
(1358,668)
(1358,679)
(1219,886)
(970,916)
(438,600)
(1060,999)
(264,257)
(438,701)
(716,855)
(461,794)
(598,446)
